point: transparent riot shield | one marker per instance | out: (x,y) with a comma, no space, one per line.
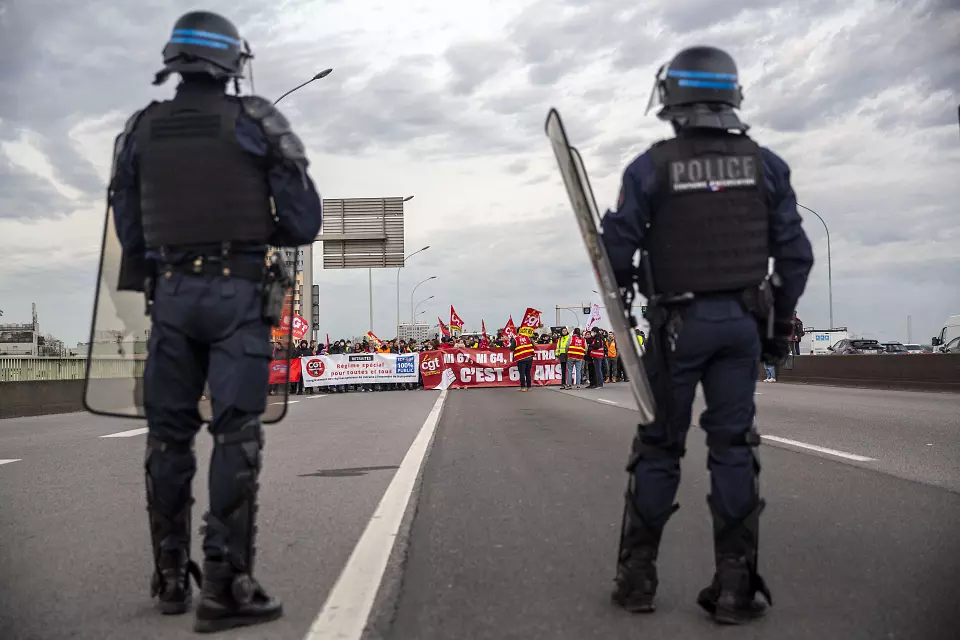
(585,209)
(120,334)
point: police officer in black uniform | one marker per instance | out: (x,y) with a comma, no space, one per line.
(191,193)
(707,209)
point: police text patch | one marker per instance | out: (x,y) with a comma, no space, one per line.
(713,174)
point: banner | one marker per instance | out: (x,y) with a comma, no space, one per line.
(456,324)
(531,321)
(594,315)
(279,373)
(510,330)
(470,368)
(359,368)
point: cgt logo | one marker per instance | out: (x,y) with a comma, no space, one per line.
(315,368)
(431,364)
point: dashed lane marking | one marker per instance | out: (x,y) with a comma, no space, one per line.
(812,447)
(126,434)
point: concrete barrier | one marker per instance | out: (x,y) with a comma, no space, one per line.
(42,397)
(932,372)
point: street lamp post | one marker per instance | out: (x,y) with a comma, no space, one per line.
(414,291)
(829,265)
(420,303)
(307,296)
(398,283)
(319,76)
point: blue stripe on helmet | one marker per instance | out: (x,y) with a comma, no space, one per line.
(200,43)
(209,35)
(703,75)
(706,84)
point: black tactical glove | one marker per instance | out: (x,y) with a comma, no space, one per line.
(777,348)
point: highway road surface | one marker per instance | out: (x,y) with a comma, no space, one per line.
(492,514)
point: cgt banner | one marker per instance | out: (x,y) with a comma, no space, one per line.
(469,368)
(359,368)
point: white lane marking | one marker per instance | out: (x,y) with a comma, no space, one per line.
(316,397)
(2,462)
(813,447)
(126,434)
(287,402)
(604,401)
(344,614)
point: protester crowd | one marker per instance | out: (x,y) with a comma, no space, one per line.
(592,366)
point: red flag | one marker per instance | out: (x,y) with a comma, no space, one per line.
(375,339)
(483,327)
(443,328)
(531,321)
(455,321)
(511,329)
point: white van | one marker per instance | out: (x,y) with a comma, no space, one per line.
(950,330)
(818,343)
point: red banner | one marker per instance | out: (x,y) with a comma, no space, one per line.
(455,321)
(510,330)
(278,371)
(469,368)
(531,321)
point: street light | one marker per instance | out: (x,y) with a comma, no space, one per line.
(420,303)
(829,265)
(398,282)
(414,291)
(319,76)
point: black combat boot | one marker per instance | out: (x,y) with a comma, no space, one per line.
(731,597)
(170,525)
(171,581)
(637,561)
(230,596)
(231,599)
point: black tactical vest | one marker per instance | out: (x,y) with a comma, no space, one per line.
(708,229)
(197,184)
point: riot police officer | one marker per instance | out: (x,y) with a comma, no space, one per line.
(707,209)
(191,192)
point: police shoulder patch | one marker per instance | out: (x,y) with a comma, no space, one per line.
(256,107)
(714,173)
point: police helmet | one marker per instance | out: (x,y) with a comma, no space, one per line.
(699,88)
(207,43)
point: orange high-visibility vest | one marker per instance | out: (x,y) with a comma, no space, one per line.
(577,349)
(612,349)
(524,349)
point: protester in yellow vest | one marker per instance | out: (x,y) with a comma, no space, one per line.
(562,344)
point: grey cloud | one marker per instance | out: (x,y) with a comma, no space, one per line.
(473,63)
(517,166)
(26,196)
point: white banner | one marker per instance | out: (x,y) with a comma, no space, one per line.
(360,368)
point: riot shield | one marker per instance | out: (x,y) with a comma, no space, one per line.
(585,209)
(120,332)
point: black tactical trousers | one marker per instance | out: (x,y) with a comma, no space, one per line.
(206,329)
(718,346)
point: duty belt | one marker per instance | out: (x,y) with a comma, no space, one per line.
(204,266)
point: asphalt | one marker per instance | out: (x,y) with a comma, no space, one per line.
(910,434)
(74,551)
(512,529)
(518,518)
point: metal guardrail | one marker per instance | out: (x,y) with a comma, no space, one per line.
(27,369)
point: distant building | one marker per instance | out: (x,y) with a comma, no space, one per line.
(416,332)
(26,340)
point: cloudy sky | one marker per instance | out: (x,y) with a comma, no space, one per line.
(446,101)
